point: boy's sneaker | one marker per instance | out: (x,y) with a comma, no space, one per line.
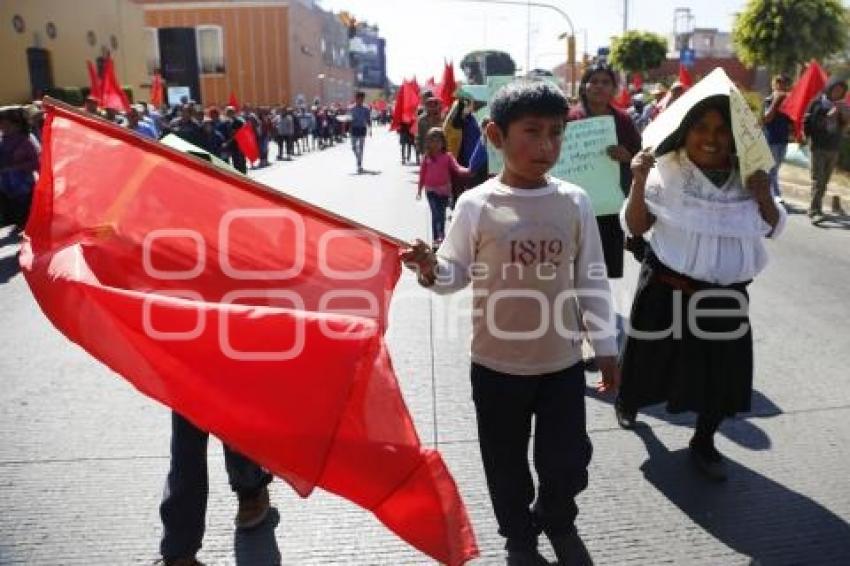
(253,510)
(570,549)
(179,562)
(525,558)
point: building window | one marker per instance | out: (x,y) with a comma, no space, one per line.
(151,50)
(210,49)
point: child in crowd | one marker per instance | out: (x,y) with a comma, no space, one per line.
(435,178)
(524,235)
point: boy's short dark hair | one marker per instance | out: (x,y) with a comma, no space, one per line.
(519,99)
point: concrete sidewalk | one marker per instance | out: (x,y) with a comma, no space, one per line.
(796,185)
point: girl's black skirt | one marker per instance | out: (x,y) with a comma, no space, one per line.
(700,356)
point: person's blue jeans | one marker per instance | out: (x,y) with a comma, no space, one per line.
(184,502)
(357,144)
(778,151)
(438,204)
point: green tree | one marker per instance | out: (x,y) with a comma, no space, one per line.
(783,33)
(478,65)
(638,51)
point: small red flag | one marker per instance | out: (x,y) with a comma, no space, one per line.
(95,84)
(685,77)
(156,91)
(794,106)
(231,101)
(256,316)
(247,142)
(637,82)
(623,100)
(113,96)
(448,85)
(398,106)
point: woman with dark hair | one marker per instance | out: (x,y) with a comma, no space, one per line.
(690,343)
(596,91)
(18,164)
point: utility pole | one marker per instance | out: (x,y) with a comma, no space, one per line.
(625,16)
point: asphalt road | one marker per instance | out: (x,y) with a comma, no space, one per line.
(83,455)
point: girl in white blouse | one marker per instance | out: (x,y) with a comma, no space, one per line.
(690,343)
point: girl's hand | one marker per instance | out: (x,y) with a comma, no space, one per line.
(759,185)
(641,164)
(618,153)
(610,371)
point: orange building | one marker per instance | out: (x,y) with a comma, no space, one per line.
(266,52)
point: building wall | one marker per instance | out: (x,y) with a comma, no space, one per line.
(256,47)
(70,49)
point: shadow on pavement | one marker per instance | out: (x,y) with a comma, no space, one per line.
(833,222)
(750,513)
(739,429)
(9,267)
(258,547)
(366,172)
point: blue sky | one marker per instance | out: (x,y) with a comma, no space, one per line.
(420,33)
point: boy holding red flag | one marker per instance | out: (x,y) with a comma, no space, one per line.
(524,235)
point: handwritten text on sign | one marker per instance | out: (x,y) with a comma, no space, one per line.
(585,162)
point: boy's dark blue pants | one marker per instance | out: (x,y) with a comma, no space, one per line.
(184,502)
(504,406)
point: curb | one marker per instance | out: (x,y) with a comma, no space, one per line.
(803,193)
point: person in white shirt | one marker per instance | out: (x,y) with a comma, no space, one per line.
(530,246)
(690,343)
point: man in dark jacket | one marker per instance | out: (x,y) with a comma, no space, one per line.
(824,124)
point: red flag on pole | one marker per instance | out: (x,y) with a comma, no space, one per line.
(411,102)
(637,82)
(623,100)
(231,101)
(258,317)
(113,96)
(685,77)
(398,106)
(449,85)
(156,91)
(95,85)
(812,81)
(247,142)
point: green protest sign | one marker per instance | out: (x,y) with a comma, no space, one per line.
(585,162)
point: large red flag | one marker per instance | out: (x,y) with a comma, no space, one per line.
(95,84)
(113,96)
(156,91)
(685,77)
(247,142)
(256,316)
(448,85)
(807,88)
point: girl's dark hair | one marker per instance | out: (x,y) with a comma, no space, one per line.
(17,116)
(519,99)
(589,72)
(676,140)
